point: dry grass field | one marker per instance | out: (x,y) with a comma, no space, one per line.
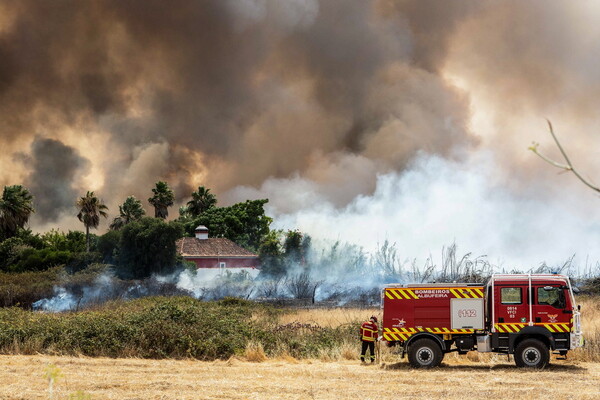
(335,374)
(24,377)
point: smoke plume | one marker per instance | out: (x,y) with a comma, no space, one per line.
(408,119)
(54,171)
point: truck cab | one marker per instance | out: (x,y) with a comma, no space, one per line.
(538,307)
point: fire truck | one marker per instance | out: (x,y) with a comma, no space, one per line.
(526,315)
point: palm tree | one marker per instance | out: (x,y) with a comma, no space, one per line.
(91,209)
(162,199)
(16,206)
(202,200)
(130,210)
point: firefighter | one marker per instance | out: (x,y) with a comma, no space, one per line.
(368,335)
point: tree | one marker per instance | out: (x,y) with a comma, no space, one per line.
(73,241)
(130,210)
(147,246)
(162,199)
(202,200)
(91,208)
(16,206)
(108,246)
(296,246)
(271,255)
(244,223)
(566,167)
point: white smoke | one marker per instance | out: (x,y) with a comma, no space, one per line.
(62,301)
(214,283)
(102,289)
(436,202)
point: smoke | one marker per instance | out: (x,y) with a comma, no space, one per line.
(105,287)
(435,202)
(322,106)
(55,168)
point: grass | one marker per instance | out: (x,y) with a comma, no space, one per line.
(181,327)
(350,349)
(23,377)
(253,352)
(167,327)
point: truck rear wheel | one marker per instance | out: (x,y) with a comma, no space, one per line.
(425,353)
(532,353)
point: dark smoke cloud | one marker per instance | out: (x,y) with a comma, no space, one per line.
(211,76)
(54,171)
(309,99)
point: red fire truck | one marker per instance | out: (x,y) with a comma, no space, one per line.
(527,315)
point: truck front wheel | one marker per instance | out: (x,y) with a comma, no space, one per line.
(425,353)
(532,353)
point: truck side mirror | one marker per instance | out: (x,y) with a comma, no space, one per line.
(578,307)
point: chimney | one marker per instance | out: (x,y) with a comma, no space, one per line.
(201,232)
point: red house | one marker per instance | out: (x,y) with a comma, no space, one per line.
(216,252)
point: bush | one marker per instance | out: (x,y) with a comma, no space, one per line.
(80,261)
(25,288)
(10,252)
(108,246)
(159,327)
(591,286)
(39,260)
(147,246)
(152,327)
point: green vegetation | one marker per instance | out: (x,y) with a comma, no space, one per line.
(25,288)
(91,208)
(161,199)
(135,245)
(28,252)
(130,210)
(16,206)
(147,246)
(244,223)
(202,200)
(159,327)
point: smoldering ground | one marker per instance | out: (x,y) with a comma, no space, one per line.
(342,98)
(329,274)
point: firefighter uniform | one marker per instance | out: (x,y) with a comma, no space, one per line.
(368,335)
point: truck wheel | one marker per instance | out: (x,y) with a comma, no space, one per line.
(425,353)
(532,353)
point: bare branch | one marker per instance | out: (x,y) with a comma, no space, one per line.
(566,167)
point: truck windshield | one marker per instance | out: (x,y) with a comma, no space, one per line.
(551,296)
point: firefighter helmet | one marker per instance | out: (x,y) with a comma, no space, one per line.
(373,318)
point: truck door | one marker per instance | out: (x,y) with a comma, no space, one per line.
(552,308)
(511,308)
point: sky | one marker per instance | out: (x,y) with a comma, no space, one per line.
(360,121)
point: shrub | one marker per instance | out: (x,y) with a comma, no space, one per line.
(79,261)
(175,327)
(108,246)
(25,288)
(147,246)
(39,260)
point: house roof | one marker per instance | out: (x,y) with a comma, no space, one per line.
(211,247)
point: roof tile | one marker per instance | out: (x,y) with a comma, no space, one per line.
(211,247)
